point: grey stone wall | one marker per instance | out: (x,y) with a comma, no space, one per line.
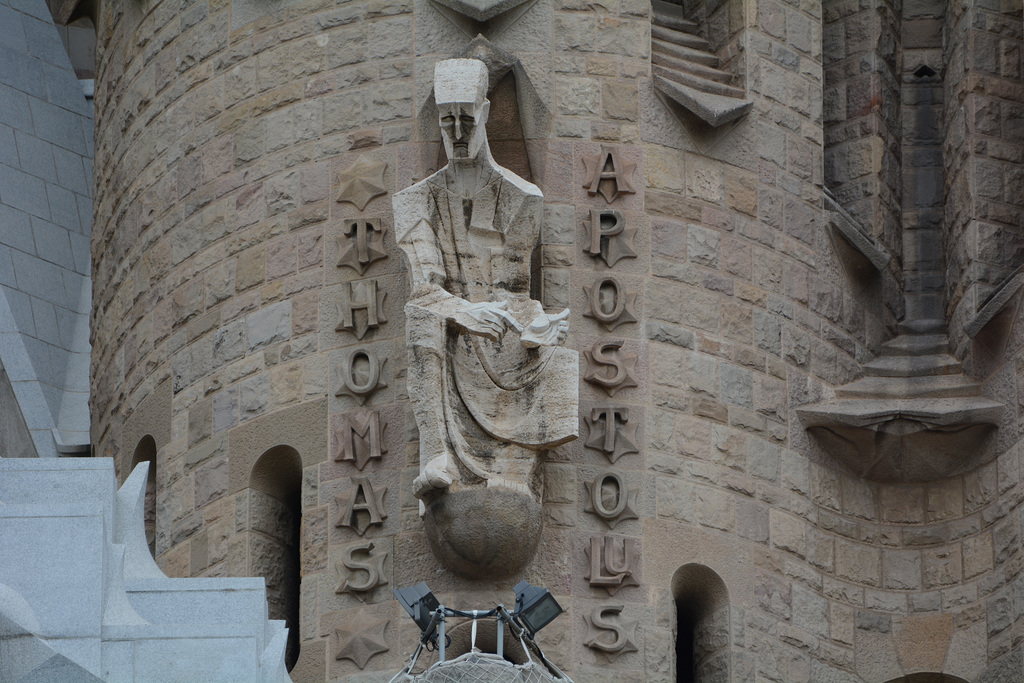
(45,218)
(982,141)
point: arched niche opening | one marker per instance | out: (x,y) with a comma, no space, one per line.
(703,633)
(145,451)
(275,518)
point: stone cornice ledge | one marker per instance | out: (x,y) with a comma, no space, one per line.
(903,440)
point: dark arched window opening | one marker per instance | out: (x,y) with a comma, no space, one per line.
(702,623)
(275,519)
(145,451)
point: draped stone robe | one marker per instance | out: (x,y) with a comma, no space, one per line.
(483,408)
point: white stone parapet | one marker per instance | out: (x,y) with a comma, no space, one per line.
(82,599)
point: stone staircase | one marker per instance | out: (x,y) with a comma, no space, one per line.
(913,416)
(914,367)
(686,70)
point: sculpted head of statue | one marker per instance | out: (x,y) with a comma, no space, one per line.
(460,90)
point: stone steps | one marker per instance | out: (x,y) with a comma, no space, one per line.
(684,53)
(685,70)
(928,386)
(916,345)
(913,366)
(680,38)
(922,326)
(713,109)
(698,83)
(695,68)
(670,16)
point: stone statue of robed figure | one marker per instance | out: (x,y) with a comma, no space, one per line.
(490,384)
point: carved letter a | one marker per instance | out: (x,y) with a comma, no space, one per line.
(361,507)
(608,174)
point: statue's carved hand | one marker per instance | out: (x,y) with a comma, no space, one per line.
(436,474)
(487,319)
(547,329)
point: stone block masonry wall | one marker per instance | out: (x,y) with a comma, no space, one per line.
(863,157)
(983,150)
(242,153)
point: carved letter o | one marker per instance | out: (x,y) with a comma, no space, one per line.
(621,499)
(618,304)
(372,376)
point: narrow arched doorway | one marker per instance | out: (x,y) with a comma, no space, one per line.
(275,520)
(703,633)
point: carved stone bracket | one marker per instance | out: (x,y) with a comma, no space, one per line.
(362,181)
(853,233)
(609,367)
(361,307)
(610,498)
(360,243)
(361,568)
(361,373)
(609,303)
(608,174)
(480,10)
(996,302)
(611,432)
(608,237)
(361,507)
(608,620)
(360,438)
(613,562)
(362,637)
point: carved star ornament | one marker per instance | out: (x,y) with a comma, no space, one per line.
(362,638)
(362,181)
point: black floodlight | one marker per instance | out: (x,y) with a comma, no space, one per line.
(419,602)
(535,606)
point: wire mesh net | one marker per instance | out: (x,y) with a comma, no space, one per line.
(481,667)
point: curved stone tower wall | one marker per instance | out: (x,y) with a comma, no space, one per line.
(235,145)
